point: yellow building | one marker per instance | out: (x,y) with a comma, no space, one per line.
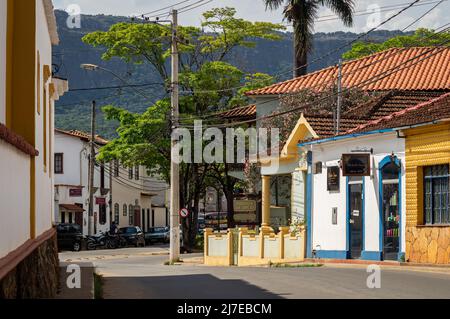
(28,252)
(427,191)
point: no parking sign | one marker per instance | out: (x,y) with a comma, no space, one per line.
(184,213)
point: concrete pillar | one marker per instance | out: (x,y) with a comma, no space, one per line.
(265,201)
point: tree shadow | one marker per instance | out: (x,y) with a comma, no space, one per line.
(203,286)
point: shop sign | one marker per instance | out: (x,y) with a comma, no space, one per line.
(75,192)
(356,164)
(333,178)
(244,205)
(100,201)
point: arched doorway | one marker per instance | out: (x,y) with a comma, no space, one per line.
(390,207)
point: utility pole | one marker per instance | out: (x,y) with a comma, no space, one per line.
(174,166)
(91,226)
(339,99)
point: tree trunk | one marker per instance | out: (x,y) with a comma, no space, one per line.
(230,207)
(300,57)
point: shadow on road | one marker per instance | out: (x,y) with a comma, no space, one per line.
(202,286)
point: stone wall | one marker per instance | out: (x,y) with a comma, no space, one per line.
(36,276)
(429,245)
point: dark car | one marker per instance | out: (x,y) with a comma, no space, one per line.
(70,237)
(157,234)
(133,235)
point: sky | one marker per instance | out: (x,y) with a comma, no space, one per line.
(254,10)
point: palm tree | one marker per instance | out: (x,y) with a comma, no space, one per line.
(303,13)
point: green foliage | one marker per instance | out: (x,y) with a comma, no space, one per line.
(252,82)
(421,38)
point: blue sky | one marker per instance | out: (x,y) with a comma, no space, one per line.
(254,10)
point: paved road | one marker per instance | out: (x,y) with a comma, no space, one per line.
(141,275)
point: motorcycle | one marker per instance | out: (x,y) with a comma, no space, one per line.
(104,240)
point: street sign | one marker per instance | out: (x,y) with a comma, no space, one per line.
(184,213)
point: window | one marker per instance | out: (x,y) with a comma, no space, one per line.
(124,209)
(136,173)
(116,213)
(130,173)
(116,168)
(131,215)
(102,215)
(436,194)
(102,176)
(59,163)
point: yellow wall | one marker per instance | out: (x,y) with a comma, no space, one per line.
(425,146)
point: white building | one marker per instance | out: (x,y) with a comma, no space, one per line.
(128,196)
(27,94)
(72,153)
(138,199)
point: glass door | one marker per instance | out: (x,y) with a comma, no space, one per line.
(355,218)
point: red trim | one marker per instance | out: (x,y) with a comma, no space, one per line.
(10,261)
(17,141)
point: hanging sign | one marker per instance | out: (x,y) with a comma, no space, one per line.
(184,213)
(333,178)
(356,164)
(75,192)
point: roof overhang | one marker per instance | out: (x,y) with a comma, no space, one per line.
(51,21)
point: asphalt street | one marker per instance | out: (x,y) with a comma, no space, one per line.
(141,273)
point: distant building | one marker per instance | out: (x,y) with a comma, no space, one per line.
(28,90)
(128,196)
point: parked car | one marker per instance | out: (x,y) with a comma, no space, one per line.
(70,237)
(157,234)
(133,235)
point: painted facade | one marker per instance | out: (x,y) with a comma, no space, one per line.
(352,220)
(71,184)
(27,95)
(427,239)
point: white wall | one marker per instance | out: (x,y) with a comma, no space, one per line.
(14,198)
(76,167)
(3,24)
(333,237)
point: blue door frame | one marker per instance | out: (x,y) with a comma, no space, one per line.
(385,161)
(349,215)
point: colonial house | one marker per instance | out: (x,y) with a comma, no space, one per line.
(72,158)
(128,196)
(28,251)
(352,188)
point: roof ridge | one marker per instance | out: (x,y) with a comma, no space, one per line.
(398,113)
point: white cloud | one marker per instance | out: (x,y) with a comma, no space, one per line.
(254,10)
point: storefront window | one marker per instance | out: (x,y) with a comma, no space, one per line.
(102,215)
(436,192)
(131,215)
(116,213)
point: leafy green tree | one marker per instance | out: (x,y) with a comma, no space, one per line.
(421,38)
(207,83)
(303,13)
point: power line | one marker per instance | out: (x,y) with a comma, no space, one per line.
(321,85)
(423,15)
(363,83)
(166,8)
(116,87)
(359,37)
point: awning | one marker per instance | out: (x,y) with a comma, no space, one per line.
(71,208)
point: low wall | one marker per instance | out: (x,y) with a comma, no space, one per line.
(251,249)
(36,276)
(429,245)
(218,248)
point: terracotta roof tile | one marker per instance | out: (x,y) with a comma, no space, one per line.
(83,136)
(430,71)
(435,109)
(244,112)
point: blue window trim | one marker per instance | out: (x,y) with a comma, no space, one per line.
(363,219)
(309,206)
(385,161)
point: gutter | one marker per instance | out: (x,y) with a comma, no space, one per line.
(344,137)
